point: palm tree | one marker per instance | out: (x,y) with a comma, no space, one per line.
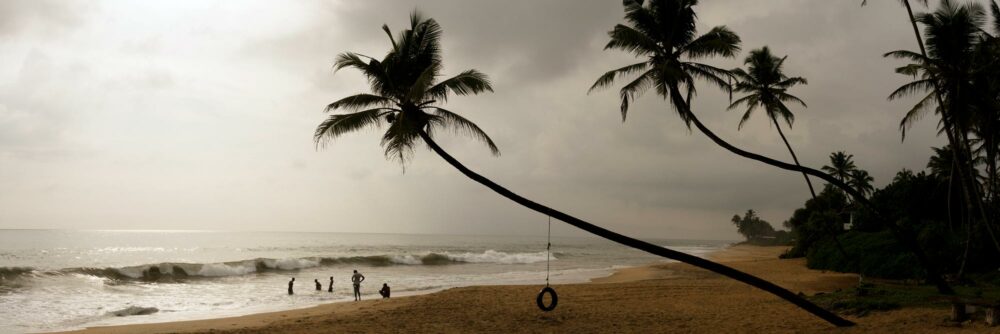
(956,140)
(862,181)
(949,70)
(940,164)
(766,86)
(405,94)
(841,165)
(664,34)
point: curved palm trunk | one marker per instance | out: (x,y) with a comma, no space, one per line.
(794,158)
(932,273)
(642,245)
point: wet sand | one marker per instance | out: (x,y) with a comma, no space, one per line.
(674,298)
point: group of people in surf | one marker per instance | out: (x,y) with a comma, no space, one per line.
(356,279)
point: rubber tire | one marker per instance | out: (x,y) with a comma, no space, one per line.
(540,300)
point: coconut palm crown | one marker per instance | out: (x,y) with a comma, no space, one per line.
(841,166)
(664,33)
(766,86)
(405,92)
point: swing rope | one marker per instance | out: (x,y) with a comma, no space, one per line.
(548,252)
(547,290)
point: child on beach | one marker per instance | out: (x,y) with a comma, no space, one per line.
(385,291)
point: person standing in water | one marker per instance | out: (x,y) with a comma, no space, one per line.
(290,283)
(357,278)
(330,289)
(319,287)
(385,291)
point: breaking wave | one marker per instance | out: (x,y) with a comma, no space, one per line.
(173,271)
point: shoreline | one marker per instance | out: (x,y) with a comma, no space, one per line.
(621,275)
(662,297)
(649,271)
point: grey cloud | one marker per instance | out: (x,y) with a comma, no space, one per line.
(226,154)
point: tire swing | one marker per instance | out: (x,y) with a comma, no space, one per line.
(540,300)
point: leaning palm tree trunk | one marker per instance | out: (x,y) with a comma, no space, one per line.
(642,245)
(794,158)
(908,241)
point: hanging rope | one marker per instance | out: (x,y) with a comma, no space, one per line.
(548,252)
(540,300)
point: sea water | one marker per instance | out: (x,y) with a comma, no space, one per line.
(61,279)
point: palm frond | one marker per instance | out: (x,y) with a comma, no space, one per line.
(915,113)
(906,54)
(401,136)
(785,97)
(340,124)
(789,82)
(470,82)
(751,107)
(628,39)
(748,100)
(395,47)
(462,125)
(609,78)
(423,82)
(781,110)
(359,101)
(720,41)
(708,73)
(634,89)
(912,88)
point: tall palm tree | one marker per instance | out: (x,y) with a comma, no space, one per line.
(841,165)
(663,33)
(948,70)
(766,86)
(963,169)
(405,94)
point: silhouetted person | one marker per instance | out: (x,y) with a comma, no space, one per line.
(385,291)
(331,285)
(290,283)
(319,287)
(357,278)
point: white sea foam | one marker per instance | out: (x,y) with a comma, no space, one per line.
(406,259)
(292,263)
(220,269)
(492,256)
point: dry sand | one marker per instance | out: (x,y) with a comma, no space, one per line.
(669,298)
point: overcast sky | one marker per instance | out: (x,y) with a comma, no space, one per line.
(200,115)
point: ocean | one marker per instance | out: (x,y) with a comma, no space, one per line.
(68,279)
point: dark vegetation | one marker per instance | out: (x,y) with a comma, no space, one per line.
(759,232)
(868,297)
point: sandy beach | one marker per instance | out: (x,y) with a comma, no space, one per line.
(675,298)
